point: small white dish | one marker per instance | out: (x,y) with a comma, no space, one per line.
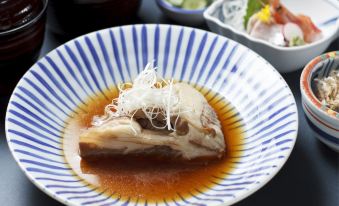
(324,13)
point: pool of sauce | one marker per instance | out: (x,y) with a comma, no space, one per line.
(153,181)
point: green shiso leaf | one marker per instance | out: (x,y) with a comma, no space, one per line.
(253,6)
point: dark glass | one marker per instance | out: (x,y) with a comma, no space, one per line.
(75,17)
(22,27)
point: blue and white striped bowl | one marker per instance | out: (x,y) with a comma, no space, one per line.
(51,90)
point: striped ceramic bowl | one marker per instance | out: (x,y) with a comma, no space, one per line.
(51,90)
(323,121)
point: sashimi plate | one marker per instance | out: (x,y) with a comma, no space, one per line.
(324,13)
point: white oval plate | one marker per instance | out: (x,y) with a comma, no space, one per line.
(325,14)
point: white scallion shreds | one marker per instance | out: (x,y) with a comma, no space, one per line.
(147,94)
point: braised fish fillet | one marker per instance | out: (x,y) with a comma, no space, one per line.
(196,131)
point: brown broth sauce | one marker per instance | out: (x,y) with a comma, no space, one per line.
(153,181)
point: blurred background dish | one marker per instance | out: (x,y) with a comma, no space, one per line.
(75,17)
(187,12)
(323,120)
(324,14)
(22,27)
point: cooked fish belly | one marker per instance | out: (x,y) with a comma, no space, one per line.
(197,132)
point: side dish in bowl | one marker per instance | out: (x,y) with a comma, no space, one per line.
(287,33)
(319,86)
(187,12)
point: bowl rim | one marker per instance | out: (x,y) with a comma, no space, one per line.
(170,7)
(264,180)
(307,91)
(27,24)
(217,3)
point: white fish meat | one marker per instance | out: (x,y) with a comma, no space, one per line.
(195,131)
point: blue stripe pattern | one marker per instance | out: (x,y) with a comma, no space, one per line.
(51,91)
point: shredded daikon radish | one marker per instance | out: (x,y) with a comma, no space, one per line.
(146,94)
(233,12)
